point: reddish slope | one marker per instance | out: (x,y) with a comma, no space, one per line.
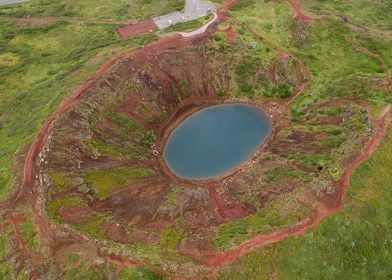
(221,259)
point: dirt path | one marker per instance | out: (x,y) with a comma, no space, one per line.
(303,70)
(299,15)
(282,54)
(139,28)
(324,210)
(358,27)
(363,50)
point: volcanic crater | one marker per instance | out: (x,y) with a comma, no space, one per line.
(104,174)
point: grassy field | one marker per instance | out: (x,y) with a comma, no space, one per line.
(39,67)
(366,12)
(90,9)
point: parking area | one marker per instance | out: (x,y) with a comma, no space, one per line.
(193,9)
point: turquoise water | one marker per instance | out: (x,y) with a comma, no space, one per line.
(215,140)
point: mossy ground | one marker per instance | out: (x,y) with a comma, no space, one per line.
(89,9)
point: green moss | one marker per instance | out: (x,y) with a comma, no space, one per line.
(53,206)
(170,238)
(4,247)
(93,9)
(278,213)
(125,122)
(93,228)
(9,59)
(172,196)
(187,26)
(143,273)
(242,5)
(313,161)
(279,173)
(105,182)
(60,181)
(29,233)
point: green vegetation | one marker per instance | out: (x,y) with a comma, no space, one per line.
(29,233)
(122,129)
(187,26)
(83,270)
(9,59)
(105,182)
(353,244)
(124,122)
(71,201)
(60,181)
(170,238)
(138,273)
(5,270)
(278,173)
(92,9)
(241,5)
(277,213)
(366,12)
(310,161)
(39,67)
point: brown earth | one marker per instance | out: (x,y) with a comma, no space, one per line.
(139,28)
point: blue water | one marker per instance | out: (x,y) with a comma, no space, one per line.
(215,140)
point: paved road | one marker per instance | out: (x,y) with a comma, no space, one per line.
(200,30)
(8,2)
(193,9)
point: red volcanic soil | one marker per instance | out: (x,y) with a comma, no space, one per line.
(230,34)
(283,55)
(42,137)
(132,30)
(299,15)
(228,209)
(324,210)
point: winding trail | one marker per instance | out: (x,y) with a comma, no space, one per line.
(365,51)
(299,15)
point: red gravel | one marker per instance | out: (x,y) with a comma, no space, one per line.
(139,28)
